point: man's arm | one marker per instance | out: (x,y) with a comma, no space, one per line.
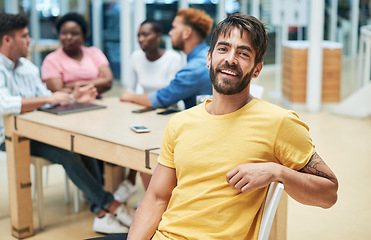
(103,82)
(187,83)
(141,99)
(30,104)
(80,94)
(314,185)
(154,203)
(56,84)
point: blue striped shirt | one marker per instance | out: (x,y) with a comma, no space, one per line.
(17,83)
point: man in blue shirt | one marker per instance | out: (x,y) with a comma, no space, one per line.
(190,28)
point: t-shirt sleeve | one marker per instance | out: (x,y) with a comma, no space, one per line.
(166,157)
(293,146)
(50,68)
(98,57)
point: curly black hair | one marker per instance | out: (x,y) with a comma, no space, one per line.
(10,23)
(156,25)
(75,17)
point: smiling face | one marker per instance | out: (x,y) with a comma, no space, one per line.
(232,63)
(148,39)
(71,35)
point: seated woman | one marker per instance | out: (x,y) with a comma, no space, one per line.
(152,68)
(74,64)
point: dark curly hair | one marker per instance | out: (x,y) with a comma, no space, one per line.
(11,22)
(75,17)
(251,25)
(156,25)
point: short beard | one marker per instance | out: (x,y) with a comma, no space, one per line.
(240,85)
(178,45)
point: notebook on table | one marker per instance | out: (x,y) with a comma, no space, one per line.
(72,108)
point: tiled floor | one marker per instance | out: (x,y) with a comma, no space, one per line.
(343,142)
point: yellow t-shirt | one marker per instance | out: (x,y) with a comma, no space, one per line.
(204,147)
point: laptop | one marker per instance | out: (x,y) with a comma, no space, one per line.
(72,108)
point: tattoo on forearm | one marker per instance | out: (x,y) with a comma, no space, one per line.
(314,167)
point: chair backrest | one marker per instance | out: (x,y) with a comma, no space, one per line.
(270,207)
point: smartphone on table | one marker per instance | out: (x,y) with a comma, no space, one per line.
(139,128)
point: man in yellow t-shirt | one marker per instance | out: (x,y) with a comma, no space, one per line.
(218,158)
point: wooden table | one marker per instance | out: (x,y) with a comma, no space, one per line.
(102,134)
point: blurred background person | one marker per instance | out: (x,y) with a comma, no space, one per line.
(21,90)
(152,68)
(73,64)
(189,31)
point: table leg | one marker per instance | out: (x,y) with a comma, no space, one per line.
(18,159)
(113,176)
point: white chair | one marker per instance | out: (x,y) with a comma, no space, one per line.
(271,202)
(37,186)
(36,179)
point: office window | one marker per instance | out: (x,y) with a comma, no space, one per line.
(111,36)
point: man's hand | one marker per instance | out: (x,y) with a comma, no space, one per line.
(127,97)
(85,93)
(61,98)
(251,176)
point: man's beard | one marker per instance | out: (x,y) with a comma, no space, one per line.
(240,85)
(178,45)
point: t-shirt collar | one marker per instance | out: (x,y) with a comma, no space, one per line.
(194,51)
(9,63)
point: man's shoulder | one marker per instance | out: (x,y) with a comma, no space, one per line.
(270,108)
(28,64)
(197,57)
(186,114)
(201,50)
